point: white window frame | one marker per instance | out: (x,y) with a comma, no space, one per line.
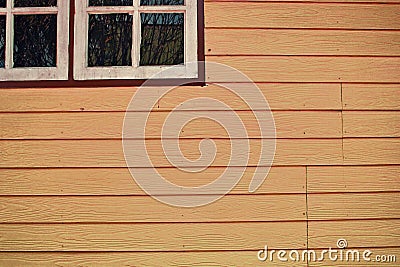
(83,72)
(60,72)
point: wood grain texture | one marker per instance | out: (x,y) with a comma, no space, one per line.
(353,206)
(301,42)
(373,262)
(358,233)
(150,259)
(371,96)
(67,198)
(297,97)
(118,181)
(152,237)
(308,69)
(292,15)
(189,235)
(371,124)
(371,151)
(353,179)
(103,125)
(146,209)
(108,153)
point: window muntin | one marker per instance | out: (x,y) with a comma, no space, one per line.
(35,46)
(177,45)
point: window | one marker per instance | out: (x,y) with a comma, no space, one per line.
(113,39)
(34,40)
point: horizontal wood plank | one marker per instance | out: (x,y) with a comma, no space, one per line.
(353,179)
(117,259)
(358,233)
(371,151)
(297,97)
(353,206)
(301,42)
(118,181)
(146,209)
(371,96)
(307,69)
(293,15)
(103,125)
(371,124)
(109,153)
(152,237)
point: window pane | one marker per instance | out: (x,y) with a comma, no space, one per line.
(162,39)
(161,2)
(110,40)
(2,3)
(35,40)
(2,40)
(110,2)
(28,3)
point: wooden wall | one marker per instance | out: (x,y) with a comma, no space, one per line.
(331,73)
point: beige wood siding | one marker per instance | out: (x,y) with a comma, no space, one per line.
(330,71)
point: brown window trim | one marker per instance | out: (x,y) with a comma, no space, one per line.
(200,81)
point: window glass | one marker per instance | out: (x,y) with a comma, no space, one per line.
(35,3)
(2,40)
(161,2)
(110,2)
(2,3)
(110,40)
(35,40)
(162,40)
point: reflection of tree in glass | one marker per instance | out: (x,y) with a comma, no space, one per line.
(28,3)
(110,40)
(2,40)
(35,40)
(110,2)
(162,39)
(2,3)
(161,2)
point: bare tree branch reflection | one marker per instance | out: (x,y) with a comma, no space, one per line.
(110,2)
(162,39)
(2,41)
(110,40)
(35,40)
(161,2)
(35,3)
